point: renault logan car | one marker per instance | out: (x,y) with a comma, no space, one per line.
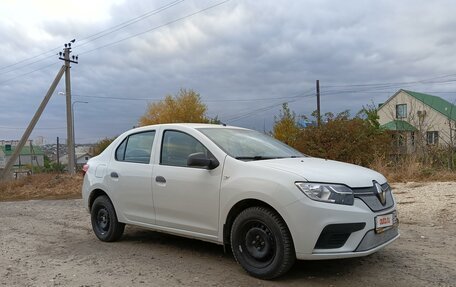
(240,188)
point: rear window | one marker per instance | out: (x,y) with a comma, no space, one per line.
(136,148)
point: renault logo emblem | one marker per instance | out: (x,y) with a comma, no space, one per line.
(380,193)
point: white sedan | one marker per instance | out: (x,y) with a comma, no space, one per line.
(238,187)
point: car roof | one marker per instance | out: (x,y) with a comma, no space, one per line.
(188,125)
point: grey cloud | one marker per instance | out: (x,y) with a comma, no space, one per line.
(240,50)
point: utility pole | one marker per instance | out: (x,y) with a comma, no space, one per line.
(318,104)
(74,138)
(58,152)
(28,131)
(64,69)
(32,153)
(69,114)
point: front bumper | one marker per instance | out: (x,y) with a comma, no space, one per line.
(340,255)
(307,220)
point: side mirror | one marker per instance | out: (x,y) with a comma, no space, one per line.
(199,159)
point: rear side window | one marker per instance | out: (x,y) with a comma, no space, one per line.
(136,148)
(177,146)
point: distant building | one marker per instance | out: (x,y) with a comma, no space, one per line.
(304,123)
(29,155)
(418,120)
(39,141)
(81,159)
(83,149)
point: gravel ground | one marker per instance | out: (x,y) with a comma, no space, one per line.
(50,243)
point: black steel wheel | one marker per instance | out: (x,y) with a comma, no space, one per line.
(104,220)
(261,243)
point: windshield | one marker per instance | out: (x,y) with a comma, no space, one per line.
(249,144)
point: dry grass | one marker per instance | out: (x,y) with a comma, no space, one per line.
(63,186)
(41,186)
(410,169)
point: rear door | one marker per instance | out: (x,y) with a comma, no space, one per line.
(130,177)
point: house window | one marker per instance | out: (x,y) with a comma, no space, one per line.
(432,137)
(412,138)
(86,158)
(401,111)
(398,139)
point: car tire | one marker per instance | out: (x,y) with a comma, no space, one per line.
(261,243)
(104,220)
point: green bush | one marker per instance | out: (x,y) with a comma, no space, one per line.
(349,140)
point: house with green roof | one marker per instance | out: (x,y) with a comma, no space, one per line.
(418,120)
(29,155)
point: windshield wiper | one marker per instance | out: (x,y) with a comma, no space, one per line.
(257,157)
(260,157)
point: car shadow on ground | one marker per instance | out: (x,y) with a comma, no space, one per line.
(138,235)
(327,269)
(317,269)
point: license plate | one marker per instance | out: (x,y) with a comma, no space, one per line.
(383,222)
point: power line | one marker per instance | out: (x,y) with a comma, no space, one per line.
(249,100)
(127,23)
(117,98)
(25,74)
(156,27)
(236,117)
(94,36)
(29,58)
(44,128)
(439,92)
(266,108)
(428,80)
(121,40)
(385,88)
(330,92)
(204,100)
(27,64)
(251,113)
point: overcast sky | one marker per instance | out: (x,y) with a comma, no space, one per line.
(244,57)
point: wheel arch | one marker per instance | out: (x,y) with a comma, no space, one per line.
(96,193)
(238,208)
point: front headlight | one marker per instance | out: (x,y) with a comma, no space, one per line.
(332,193)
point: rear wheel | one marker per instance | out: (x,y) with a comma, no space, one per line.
(261,243)
(104,220)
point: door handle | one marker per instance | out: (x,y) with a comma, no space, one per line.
(114,174)
(160,179)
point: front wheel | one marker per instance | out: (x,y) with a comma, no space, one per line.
(262,243)
(104,220)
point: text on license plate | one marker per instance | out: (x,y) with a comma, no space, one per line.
(382,221)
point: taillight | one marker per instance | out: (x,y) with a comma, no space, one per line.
(85,169)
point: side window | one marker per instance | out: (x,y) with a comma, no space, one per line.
(177,146)
(120,151)
(136,148)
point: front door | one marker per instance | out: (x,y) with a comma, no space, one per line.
(186,198)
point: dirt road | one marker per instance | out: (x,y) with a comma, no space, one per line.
(50,243)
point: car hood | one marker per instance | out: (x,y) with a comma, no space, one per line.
(328,171)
